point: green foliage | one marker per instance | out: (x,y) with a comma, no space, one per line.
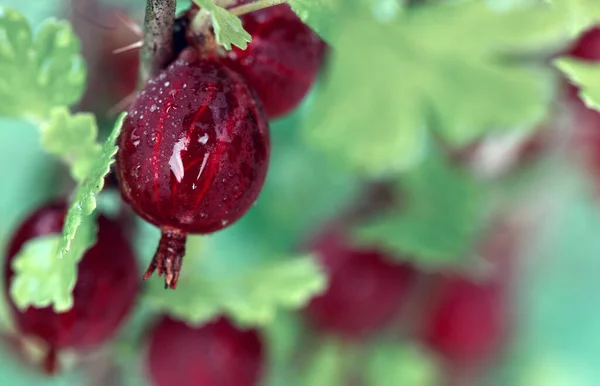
(228,27)
(426,70)
(72,138)
(317,14)
(326,367)
(251,294)
(38,72)
(297,174)
(41,279)
(579,14)
(438,220)
(402,365)
(84,202)
(586,76)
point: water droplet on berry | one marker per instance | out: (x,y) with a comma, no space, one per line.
(153,108)
(175,161)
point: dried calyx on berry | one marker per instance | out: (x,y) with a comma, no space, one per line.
(193,154)
(105,292)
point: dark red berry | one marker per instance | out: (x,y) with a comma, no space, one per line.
(282,61)
(365,289)
(106,288)
(216,354)
(469,320)
(587,46)
(112,77)
(193,154)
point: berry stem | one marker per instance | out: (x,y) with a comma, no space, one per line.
(168,256)
(157,50)
(255,6)
(50,362)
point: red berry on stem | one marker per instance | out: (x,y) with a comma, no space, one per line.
(106,288)
(365,289)
(216,354)
(193,154)
(282,61)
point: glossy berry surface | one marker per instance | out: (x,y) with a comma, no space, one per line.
(193,154)
(365,290)
(112,77)
(106,289)
(282,61)
(216,354)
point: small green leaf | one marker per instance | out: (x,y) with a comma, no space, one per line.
(84,202)
(38,72)
(209,286)
(402,365)
(72,138)
(228,27)
(41,278)
(585,75)
(439,219)
(579,14)
(427,69)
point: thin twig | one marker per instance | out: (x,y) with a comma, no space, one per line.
(158,31)
(255,6)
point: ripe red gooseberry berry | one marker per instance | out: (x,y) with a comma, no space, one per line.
(193,154)
(105,291)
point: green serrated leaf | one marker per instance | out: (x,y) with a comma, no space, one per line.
(38,72)
(228,27)
(585,75)
(402,365)
(579,14)
(428,69)
(84,202)
(439,219)
(209,286)
(72,138)
(41,278)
